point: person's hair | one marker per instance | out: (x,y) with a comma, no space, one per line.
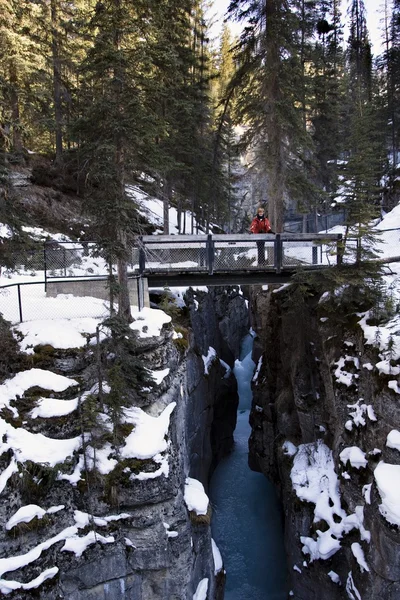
(260,208)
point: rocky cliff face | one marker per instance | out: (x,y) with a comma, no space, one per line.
(113,527)
(324,403)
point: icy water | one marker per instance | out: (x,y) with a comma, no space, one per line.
(246,520)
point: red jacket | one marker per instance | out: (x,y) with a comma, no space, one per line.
(260,225)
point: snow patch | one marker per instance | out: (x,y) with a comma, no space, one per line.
(355,456)
(201,590)
(195,497)
(207,360)
(218,564)
(387,479)
(393,439)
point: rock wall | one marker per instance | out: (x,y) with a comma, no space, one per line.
(321,389)
(149,545)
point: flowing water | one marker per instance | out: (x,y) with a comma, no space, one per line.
(246,522)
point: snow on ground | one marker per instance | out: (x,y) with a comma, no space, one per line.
(153,210)
(37,307)
(289,448)
(195,497)
(334,577)
(5,231)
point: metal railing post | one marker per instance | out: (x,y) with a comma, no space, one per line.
(140,292)
(339,250)
(210,254)
(19,302)
(278,253)
(142,256)
(315,255)
(45,266)
(65,262)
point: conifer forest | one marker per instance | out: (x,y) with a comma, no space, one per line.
(98,93)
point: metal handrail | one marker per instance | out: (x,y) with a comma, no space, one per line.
(209,241)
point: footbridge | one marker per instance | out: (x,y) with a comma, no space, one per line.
(189,260)
(232,259)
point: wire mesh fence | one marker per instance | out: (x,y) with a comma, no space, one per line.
(244,255)
(178,254)
(66,259)
(29,302)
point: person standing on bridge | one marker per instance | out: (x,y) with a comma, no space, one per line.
(260,224)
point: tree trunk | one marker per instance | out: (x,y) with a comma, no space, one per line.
(166,200)
(14,104)
(179,215)
(124,304)
(275,160)
(58,116)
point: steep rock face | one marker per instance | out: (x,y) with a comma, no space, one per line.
(149,546)
(220,320)
(320,396)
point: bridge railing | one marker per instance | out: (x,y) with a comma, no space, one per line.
(206,254)
(228,253)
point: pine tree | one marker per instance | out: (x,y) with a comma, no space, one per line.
(328,94)
(270,100)
(389,64)
(18,62)
(363,167)
(112,127)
